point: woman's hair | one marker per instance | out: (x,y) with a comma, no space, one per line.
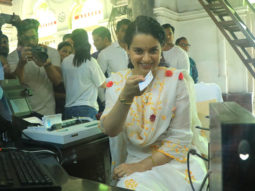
(81,47)
(144,25)
(63,44)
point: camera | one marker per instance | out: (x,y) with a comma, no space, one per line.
(40,53)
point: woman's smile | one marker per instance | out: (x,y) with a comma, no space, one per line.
(144,53)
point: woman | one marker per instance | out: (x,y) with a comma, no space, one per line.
(150,141)
(64,49)
(82,76)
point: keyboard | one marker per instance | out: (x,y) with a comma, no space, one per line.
(22,171)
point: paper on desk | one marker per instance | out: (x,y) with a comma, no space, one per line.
(146,82)
(33,120)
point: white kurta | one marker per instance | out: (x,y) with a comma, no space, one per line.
(151,127)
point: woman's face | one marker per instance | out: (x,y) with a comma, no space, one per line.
(144,52)
(65,51)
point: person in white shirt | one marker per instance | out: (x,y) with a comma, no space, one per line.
(114,57)
(36,73)
(173,55)
(102,39)
(82,77)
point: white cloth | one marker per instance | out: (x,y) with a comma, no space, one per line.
(113,59)
(208,91)
(81,83)
(150,126)
(177,58)
(42,101)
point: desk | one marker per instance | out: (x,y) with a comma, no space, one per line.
(69,183)
(87,159)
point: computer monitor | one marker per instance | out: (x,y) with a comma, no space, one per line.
(231,148)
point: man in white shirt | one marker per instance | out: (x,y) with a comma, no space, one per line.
(102,39)
(114,57)
(38,74)
(173,55)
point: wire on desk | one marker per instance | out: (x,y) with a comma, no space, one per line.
(43,144)
(33,151)
(203,128)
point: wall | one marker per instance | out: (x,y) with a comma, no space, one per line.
(62,11)
(216,61)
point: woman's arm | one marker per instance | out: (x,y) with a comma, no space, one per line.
(115,119)
(125,169)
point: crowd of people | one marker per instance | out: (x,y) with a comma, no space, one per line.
(150,131)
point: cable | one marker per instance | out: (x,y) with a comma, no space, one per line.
(60,156)
(190,181)
(207,187)
(43,151)
(33,151)
(202,128)
(194,152)
(204,180)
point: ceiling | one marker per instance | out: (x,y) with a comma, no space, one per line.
(187,5)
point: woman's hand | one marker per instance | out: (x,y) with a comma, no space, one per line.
(126,169)
(131,88)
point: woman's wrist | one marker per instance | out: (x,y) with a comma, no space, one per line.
(125,100)
(147,163)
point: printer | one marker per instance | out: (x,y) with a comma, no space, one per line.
(31,125)
(65,132)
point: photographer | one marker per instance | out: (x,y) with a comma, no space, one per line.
(36,66)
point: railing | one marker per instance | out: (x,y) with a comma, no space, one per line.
(250,5)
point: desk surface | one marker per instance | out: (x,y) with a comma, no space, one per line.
(69,183)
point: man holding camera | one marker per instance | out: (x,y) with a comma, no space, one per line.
(36,66)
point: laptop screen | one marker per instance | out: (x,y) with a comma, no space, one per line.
(19,106)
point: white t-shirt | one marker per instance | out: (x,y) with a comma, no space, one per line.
(81,83)
(113,59)
(177,58)
(208,91)
(42,101)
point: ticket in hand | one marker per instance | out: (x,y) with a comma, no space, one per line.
(146,82)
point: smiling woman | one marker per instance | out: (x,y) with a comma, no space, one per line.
(145,54)
(151,130)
